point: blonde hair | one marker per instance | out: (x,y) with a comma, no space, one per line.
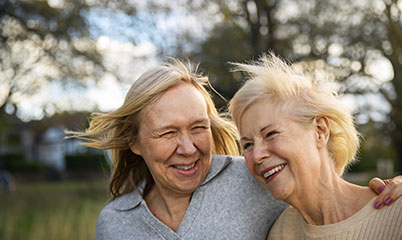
(118,129)
(307,96)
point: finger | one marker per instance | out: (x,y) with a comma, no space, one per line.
(397,179)
(377,185)
(395,188)
(391,192)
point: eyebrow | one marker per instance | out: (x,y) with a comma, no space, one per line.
(265,127)
(244,139)
(201,120)
(261,130)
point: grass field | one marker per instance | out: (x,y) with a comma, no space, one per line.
(52,210)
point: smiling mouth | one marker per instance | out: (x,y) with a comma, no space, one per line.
(269,174)
(185,167)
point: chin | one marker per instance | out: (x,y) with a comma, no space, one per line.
(190,187)
(280,193)
(279,196)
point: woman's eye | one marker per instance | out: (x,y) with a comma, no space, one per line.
(200,128)
(271,134)
(167,134)
(247,146)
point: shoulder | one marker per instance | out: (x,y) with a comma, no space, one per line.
(236,159)
(289,215)
(393,211)
(236,186)
(232,172)
(236,179)
(109,215)
(115,212)
(106,222)
(281,230)
(398,204)
(234,164)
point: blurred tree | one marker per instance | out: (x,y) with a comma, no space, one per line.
(375,147)
(40,43)
(49,41)
(358,42)
(77,43)
(225,44)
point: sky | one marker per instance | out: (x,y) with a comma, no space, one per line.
(127,49)
(130,49)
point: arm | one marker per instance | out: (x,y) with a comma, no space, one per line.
(388,190)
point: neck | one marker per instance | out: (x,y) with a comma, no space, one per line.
(167,207)
(330,200)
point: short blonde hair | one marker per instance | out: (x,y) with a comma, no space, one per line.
(310,96)
(118,129)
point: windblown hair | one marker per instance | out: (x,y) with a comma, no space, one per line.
(304,97)
(117,130)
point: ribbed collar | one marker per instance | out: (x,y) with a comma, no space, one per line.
(133,199)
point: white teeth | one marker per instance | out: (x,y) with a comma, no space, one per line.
(185,167)
(273,171)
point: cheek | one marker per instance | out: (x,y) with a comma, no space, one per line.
(159,151)
(203,142)
(249,163)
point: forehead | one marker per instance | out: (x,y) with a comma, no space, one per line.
(182,103)
(261,113)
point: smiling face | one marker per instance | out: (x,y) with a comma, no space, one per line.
(280,152)
(174,140)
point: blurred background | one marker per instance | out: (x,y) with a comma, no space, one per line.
(61,60)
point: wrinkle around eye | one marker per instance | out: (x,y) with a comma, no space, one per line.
(247,146)
(271,134)
(168,134)
(200,128)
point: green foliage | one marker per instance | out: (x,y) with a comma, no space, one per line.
(34,34)
(44,211)
(18,163)
(343,37)
(370,155)
(227,43)
(86,162)
(376,146)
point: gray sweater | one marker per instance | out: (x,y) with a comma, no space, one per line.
(229,204)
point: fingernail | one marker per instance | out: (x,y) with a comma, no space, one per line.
(380,189)
(388,200)
(377,205)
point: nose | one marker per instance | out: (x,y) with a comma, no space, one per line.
(185,145)
(260,152)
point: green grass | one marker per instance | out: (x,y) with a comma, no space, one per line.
(59,210)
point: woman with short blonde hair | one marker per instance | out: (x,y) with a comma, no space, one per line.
(297,138)
(313,94)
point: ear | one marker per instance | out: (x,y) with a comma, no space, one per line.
(322,131)
(134,148)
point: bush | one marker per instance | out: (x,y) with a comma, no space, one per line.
(86,162)
(18,163)
(369,156)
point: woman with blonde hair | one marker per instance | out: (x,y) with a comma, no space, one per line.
(298,138)
(167,181)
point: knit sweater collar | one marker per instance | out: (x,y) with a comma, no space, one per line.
(133,199)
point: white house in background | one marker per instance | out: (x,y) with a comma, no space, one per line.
(41,141)
(53,148)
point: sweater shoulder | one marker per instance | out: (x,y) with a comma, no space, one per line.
(281,228)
